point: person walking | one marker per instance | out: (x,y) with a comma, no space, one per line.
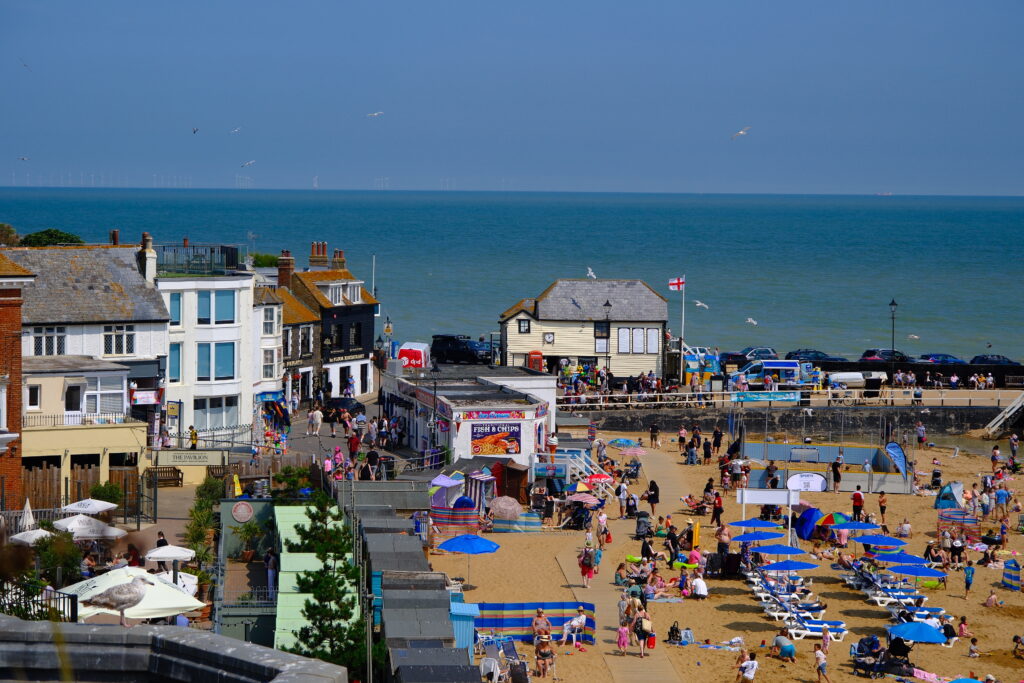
(837,475)
(622,492)
(193,437)
(968,578)
(724,538)
(858,504)
(883,501)
(623,636)
(317,418)
(653,496)
(717,509)
(821,663)
(270,563)
(587,562)
(642,627)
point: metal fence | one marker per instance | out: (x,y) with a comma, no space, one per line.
(226,438)
(77,419)
(257,596)
(25,601)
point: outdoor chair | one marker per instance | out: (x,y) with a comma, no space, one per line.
(491,670)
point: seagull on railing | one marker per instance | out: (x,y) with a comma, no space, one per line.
(700,304)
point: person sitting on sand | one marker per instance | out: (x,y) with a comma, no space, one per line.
(992,600)
(621,575)
(1018,647)
(962,630)
(783,647)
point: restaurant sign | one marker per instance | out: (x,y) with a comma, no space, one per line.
(494,415)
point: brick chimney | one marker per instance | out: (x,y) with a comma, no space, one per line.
(147,258)
(318,256)
(338,260)
(115,237)
(285,269)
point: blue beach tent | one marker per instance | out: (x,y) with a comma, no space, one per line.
(950,496)
(807,522)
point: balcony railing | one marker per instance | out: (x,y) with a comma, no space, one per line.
(199,259)
(77,419)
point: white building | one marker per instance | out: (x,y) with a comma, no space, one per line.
(267,345)
(212,341)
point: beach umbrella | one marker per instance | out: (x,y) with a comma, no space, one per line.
(756,524)
(778,549)
(754,536)
(88,528)
(600,478)
(917,631)
(30,537)
(917,570)
(99,533)
(900,558)
(506,507)
(577,487)
(89,506)
(622,443)
(788,566)
(855,526)
(75,523)
(585,498)
(161,599)
(186,582)
(832,519)
(28,520)
(469,544)
(634,452)
(965,680)
(170,553)
(876,539)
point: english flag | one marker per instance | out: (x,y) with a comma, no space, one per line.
(677,283)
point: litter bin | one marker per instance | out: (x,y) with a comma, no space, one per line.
(805,398)
(717,384)
(872,387)
(387,467)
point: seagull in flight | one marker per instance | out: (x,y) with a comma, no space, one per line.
(700,304)
(374,114)
(249,163)
(194,131)
(25,65)
(22,158)
(590,273)
(751,321)
(912,336)
(235,130)
(742,131)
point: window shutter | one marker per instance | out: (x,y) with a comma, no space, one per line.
(652,339)
(638,340)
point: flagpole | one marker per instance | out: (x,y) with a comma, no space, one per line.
(682,320)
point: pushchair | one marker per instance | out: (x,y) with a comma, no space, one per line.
(936,479)
(631,509)
(867,658)
(579,519)
(632,470)
(643,526)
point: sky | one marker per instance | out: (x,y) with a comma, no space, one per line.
(909,97)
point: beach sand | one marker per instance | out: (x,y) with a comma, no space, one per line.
(540,566)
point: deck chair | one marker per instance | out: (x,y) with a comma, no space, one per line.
(490,670)
(508,648)
(801,629)
(491,650)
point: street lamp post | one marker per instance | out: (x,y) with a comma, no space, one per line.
(608,342)
(892,350)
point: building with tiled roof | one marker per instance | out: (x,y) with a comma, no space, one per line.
(268,313)
(13,279)
(615,323)
(300,336)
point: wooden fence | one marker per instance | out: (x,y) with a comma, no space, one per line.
(45,488)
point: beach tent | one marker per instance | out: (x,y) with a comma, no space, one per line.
(807,522)
(950,496)
(1011,575)
(444,490)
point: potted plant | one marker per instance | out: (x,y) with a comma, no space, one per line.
(204,554)
(203,580)
(247,533)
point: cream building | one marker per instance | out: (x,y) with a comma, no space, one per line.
(618,324)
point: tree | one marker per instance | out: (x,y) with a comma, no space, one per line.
(59,552)
(8,235)
(292,479)
(49,238)
(261,260)
(332,632)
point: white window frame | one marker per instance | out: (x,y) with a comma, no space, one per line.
(38,405)
(624,337)
(3,405)
(120,339)
(49,341)
(523,329)
(653,335)
(269,319)
(639,340)
(97,392)
(355,294)
(205,415)
(269,368)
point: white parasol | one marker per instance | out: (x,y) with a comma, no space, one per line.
(162,599)
(89,506)
(169,553)
(28,520)
(30,537)
(88,528)
(186,582)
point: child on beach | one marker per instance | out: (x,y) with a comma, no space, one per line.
(623,639)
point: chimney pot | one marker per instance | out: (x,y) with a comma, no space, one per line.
(184,242)
(115,237)
(285,269)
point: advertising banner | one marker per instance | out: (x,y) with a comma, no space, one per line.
(748,396)
(495,438)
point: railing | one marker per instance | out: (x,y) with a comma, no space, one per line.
(25,601)
(226,438)
(78,419)
(258,596)
(997,398)
(200,259)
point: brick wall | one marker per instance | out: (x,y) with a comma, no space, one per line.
(10,365)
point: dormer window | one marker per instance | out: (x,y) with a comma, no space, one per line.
(336,294)
(355,293)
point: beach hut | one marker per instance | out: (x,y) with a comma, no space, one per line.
(950,496)
(480,486)
(1011,575)
(960,521)
(444,490)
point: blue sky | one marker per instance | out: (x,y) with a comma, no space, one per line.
(917,97)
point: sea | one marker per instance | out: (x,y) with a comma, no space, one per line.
(813,271)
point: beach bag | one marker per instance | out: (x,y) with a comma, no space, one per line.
(608,537)
(687,637)
(674,634)
(651,641)
(646,626)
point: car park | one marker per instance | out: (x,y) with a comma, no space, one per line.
(992,359)
(945,358)
(813,355)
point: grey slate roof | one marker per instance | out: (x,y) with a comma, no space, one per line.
(631,301)
(59,365)
(76,285)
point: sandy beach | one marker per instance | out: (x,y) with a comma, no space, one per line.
(541,566)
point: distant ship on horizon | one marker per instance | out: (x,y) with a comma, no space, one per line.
(883,194)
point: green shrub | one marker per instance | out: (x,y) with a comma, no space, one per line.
(49,238)
(110,492)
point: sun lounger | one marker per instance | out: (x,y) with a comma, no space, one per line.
(801,629)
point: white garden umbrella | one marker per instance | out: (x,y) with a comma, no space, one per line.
(88,528)
(30,537)
(28,520)
(162,599)
(169,553)
(75,523)
(186,582)
(89,506)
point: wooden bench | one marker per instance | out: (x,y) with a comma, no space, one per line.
(219,471)
(166,476)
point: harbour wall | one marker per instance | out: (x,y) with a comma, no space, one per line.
(819,423)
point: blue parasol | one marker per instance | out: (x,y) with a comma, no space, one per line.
(917,631)
(856,526)
(778,549)
(788,566)
(917,570)
(965,680)
(876,539)
(753,536)
(622,443)
(756,524)
(469,544)
(900,558)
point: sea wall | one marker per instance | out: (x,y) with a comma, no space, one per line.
(816,423)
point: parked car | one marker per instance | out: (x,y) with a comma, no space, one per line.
(454,348)
(750,353)
(353,406)
(812,355)
(946,358)
(992,359)
(887,355)
(483,351)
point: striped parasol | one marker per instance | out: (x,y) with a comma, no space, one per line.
(577,487)
(634,452)
(585,498)
(832,519)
